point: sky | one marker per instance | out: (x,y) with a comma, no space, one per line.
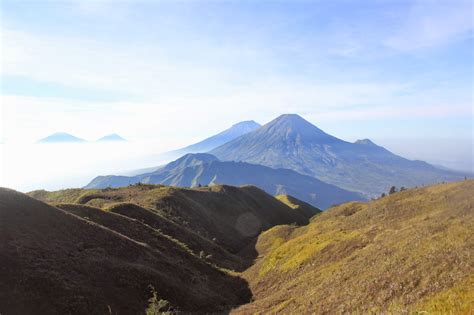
(164,74)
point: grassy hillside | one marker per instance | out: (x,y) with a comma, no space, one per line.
(410,251)
(298,205)
(227,216)
(57,262)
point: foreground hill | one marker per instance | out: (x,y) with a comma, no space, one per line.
(408,252)
(206,219)
(291,142)
(55,262)
(121,251)
(192,170)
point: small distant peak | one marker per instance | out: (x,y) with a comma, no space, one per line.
(247,123)
(365,142)
(60,137)
(112,137)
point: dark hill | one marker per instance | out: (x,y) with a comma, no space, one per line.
(192,170)
(217,220)
(57,262)
(291,142)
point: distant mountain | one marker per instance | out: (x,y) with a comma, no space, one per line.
(212,142)
(61,137)
(192,170)
(111,138)
(291,142)
(203,146)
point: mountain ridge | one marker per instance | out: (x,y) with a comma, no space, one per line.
(192,170)
(291,142)
(222,137)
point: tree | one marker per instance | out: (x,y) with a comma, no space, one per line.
(393,190)
(382,195)
(402,188)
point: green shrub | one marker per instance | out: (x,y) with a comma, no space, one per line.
(157,306)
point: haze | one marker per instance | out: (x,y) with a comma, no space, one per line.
(167,74)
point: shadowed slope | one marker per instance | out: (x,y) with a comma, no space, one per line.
(54,262)
(410,251)
(218,220)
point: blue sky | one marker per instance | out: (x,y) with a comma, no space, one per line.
(398,72)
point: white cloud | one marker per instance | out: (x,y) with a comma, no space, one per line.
(433,23)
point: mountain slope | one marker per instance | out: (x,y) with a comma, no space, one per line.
(55,262)
(59,137)
(226,216)
(212,142)
(291,142)
(205,169)
(408,252)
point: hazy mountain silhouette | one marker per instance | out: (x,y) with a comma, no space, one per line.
(111,138)
(291,142)
(205,145)
(61,137)
(214,141)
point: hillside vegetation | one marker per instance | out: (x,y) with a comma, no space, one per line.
(57,262)
(133,249)
(227,249)
(410,251)
(227,216)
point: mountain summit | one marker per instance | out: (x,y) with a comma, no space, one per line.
(111,138)
(61,137)
(295,128)
(291,142)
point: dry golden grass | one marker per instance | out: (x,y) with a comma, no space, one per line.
(298,205)
(408,252)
